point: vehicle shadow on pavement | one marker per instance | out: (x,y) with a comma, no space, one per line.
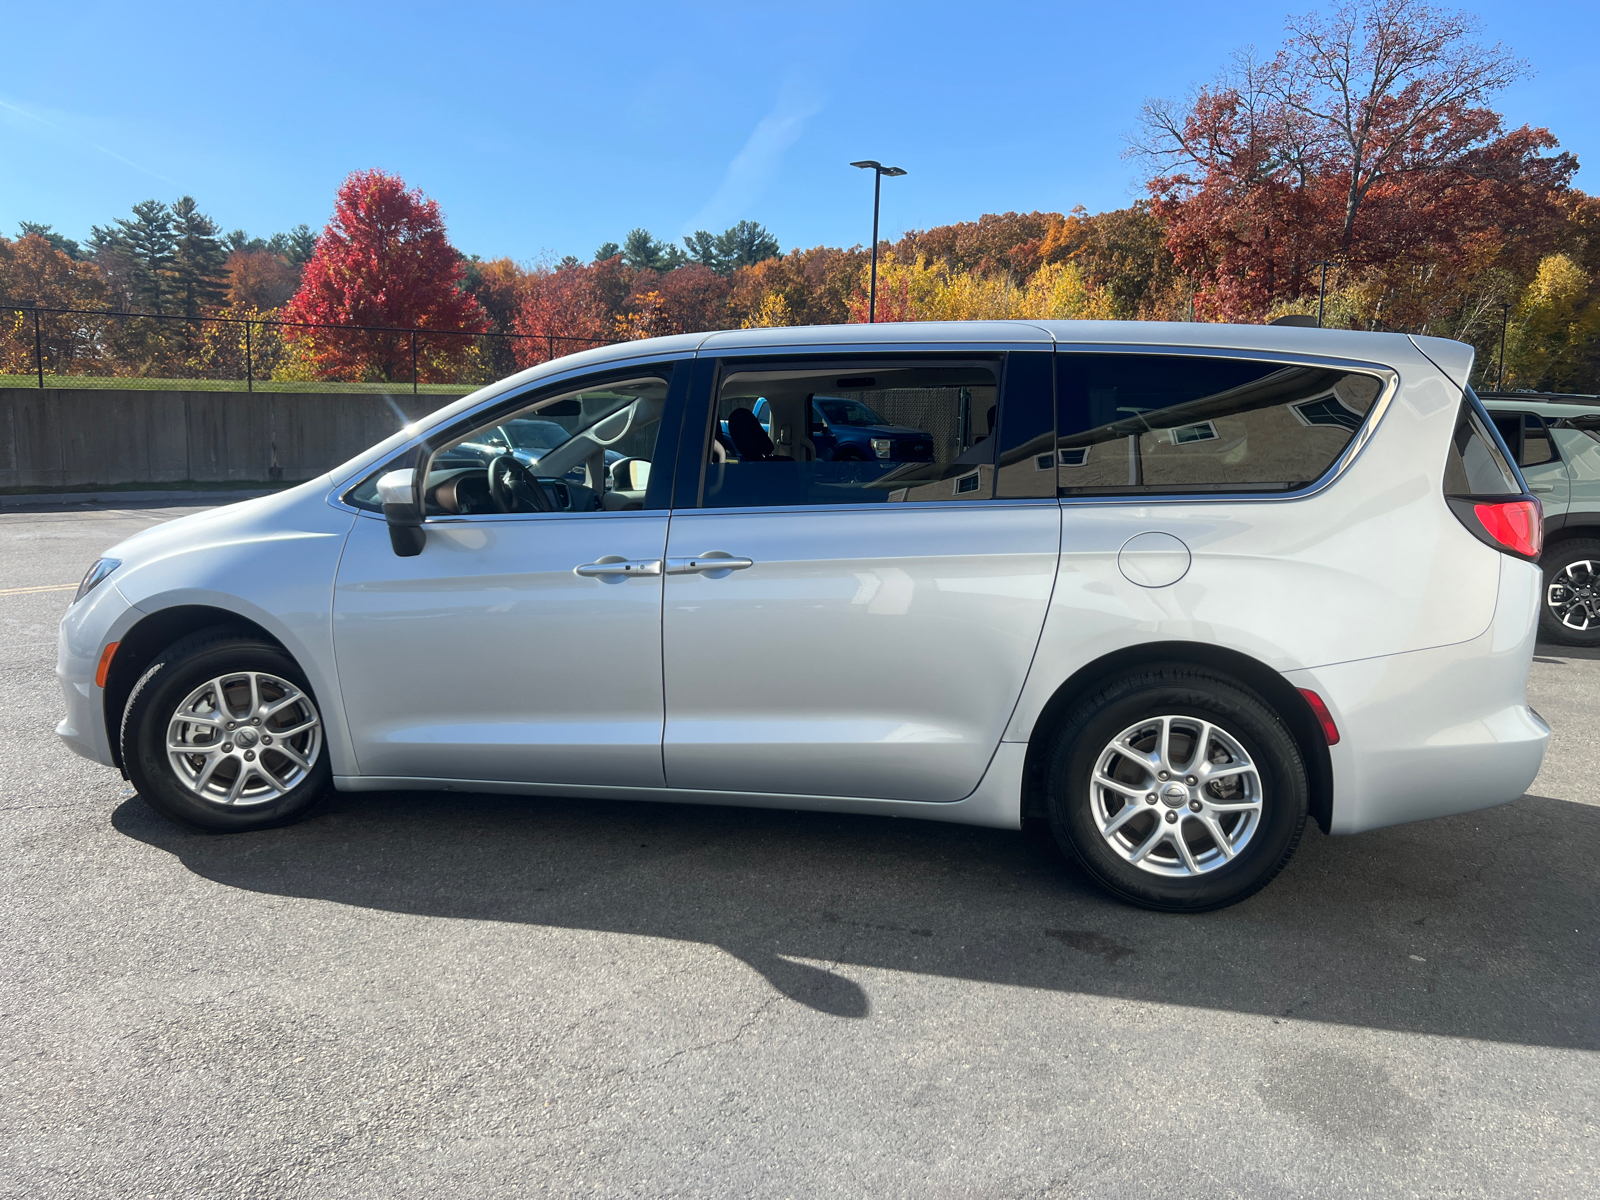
(1480,926)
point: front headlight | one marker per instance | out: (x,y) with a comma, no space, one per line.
(882,447)
(92,578)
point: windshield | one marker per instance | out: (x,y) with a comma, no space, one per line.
(838,411)
(528,434)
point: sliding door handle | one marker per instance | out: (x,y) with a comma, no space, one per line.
(714,565)
(613,567)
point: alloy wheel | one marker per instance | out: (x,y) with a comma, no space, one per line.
(244,738)
(1176,796)
(1573,595)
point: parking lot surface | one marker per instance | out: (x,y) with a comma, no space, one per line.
(417,995)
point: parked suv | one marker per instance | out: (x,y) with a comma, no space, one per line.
(1172,588)
(1556,441)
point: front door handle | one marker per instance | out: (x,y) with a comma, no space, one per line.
(611,566)
(714,565)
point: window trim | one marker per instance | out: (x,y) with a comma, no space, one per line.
(1388,376)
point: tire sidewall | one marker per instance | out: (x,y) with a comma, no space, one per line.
(1550,627)
(171,678)
(1243,716)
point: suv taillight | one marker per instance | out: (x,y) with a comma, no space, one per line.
(1518,525)
(1511,524)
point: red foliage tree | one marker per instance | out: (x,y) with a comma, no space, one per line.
(561,311)
(694,298)
(384,261)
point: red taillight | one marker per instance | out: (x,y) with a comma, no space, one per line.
(1518,525)
(1324,717)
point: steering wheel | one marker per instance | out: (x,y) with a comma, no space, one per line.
(514,488)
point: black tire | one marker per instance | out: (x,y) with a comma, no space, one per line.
(1189,693)
(172,678)
(1556,561)
(848,454)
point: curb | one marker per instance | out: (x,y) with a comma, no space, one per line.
(131,498)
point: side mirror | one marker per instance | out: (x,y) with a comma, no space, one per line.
(401,510)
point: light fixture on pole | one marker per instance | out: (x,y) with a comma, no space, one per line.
(879,171)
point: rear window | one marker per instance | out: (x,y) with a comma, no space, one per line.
(1475,465)
(1168,423)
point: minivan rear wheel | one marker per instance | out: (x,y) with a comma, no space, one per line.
(222,733)
(1570,613)
(1178,789)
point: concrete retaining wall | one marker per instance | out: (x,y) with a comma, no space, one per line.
(60,438)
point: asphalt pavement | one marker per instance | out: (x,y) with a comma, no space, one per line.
(418,995)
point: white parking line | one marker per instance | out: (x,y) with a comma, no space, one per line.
(47,587)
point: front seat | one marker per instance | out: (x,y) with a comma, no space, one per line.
(750,440)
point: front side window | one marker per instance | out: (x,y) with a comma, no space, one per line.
(1172,423)
(851,434)
(588,449)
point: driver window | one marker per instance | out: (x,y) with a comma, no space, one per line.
(582,451)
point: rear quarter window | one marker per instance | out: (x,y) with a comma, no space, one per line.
(1475,464)
(1172,423)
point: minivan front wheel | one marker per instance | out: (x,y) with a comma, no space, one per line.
(1178,789)
(223,733)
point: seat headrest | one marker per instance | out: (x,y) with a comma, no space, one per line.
(748,437)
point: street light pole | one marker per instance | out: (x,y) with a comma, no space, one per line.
(1500,375)
(879,171)
(1322,291)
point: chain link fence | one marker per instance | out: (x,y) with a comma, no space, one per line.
(77,347)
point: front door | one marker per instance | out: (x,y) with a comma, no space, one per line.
(524,643)
(859,628)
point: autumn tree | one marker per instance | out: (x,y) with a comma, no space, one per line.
(259,280)
(32,271)
(560,311)
(66,245)
(383,261)
(1366,139)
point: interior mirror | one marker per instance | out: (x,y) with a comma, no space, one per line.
(398,492)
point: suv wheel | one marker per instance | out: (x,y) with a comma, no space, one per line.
(1570,613)
(1178,789)
(222,733)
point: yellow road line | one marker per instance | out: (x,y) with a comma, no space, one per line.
(48,587)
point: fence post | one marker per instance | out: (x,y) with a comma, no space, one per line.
(249,371)
(38,346)
(551,356)
(413,362)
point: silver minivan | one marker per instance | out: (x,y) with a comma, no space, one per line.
(1173,588)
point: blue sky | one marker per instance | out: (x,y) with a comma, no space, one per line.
(544,130)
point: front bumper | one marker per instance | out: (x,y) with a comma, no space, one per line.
(86,629)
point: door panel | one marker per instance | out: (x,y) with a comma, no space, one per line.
(488,657)
(869,652)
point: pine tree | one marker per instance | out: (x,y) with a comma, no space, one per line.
(199,262)
(642,252)
(741,245)
(140,253)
